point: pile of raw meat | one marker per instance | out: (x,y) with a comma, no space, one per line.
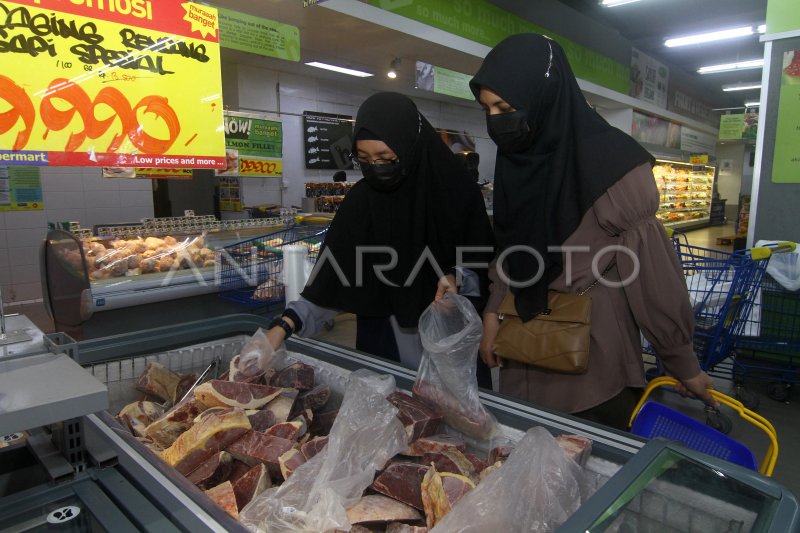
(238,436)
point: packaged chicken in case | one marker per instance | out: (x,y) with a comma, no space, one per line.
(117,257)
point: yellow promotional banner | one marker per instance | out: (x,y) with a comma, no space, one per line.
(111,83)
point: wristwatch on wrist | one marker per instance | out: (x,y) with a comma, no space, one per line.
(279,321)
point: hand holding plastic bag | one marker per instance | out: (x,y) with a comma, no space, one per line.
(257,354)
(365,435)
(536,490)
(450,330)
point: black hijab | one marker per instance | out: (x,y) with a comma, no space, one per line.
(541,194)
(437,205)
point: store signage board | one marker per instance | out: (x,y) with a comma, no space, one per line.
(114,83)
(782,16)
(147,173)
(731,127)
(482,22)
(698,159)
(256,35)
(654,130)
(694,141)
(327,140)
(649,79)
(20,189)
(253,146)
(786,161)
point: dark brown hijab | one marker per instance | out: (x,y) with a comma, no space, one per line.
(542,193)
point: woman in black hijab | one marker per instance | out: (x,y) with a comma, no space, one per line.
(416,202)
(565,177)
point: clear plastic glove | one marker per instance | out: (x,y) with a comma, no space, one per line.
(446,284)
(491,325)
(258,351)
(697,387)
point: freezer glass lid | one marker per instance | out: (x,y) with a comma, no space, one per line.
(66,515)
(675,493)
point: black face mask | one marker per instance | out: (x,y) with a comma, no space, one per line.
(510,131)
(383,178)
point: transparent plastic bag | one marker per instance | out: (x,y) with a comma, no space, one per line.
(536,490)
(450,330)
(365,435)
(257,354)
(784,267)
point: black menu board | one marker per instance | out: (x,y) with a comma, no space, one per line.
(327,140)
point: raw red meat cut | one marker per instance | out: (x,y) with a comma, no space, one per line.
(235,394)
(248,374)
(295,376)
(285,430)
(212,471)
(434,443)
(159,381)
(283,405)
(575,447)
(403,482)
(323,422)
(212,435)
(476,422)
(144,412)
(451,460)
(313,447)
(289,462)
(238,469)
(262,419)
(500,453)
(255,447)
(251,484)
(212,411)
(399,527)
(419,419)
(316,398)
(376,508)
(224,496)
(166,429)
(477,463)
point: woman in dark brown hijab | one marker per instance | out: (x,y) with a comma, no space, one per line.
(563,178)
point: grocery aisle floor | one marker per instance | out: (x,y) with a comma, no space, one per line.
(783,415)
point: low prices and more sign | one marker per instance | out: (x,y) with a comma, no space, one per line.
(110,83)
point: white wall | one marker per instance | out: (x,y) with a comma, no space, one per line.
(729,185)
(257,93)
(70,194)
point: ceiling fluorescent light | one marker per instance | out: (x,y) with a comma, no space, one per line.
(752,104)
(709,37)
(614,3)
(762,29)
(741,87)
(341,70)
(727,108)
(727,67)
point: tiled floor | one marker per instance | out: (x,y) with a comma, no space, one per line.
(783,415)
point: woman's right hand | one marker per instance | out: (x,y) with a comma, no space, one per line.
(491,325)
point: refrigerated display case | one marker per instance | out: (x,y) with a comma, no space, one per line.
(126,481)
(685,192)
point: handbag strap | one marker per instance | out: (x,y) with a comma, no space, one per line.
(594,284)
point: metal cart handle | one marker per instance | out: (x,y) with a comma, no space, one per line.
(771,457)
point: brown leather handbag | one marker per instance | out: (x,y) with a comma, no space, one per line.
(556,339)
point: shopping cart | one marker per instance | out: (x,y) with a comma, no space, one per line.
(251,272)
(653,419)
(769,347)
(722,288)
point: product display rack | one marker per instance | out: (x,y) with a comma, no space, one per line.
(685,192)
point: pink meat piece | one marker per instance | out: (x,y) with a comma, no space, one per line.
(450,460)
(500,453)
(403,482)
(478,463)
(283,405)
(251,373)
(434,443)
(419,419)
(455,488)
(290,461)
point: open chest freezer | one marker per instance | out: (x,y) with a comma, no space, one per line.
(616,469)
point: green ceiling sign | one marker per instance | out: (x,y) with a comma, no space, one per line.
(731,126)
(257,35)
(782,15)
(485,23)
